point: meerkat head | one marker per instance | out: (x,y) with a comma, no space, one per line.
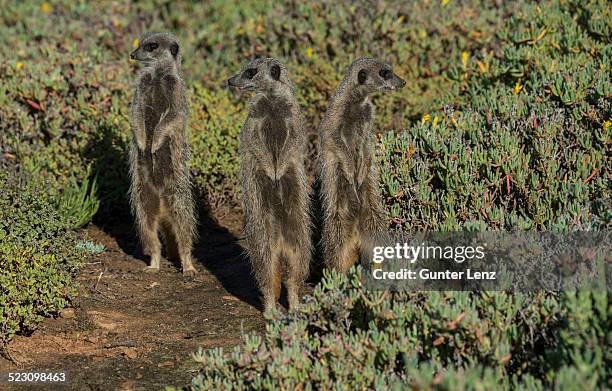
(156,47)
(371,75)
(262,75)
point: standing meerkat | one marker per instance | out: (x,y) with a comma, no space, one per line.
(160,191)
(352,206)
(273,179)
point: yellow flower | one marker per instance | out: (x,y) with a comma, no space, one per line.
(464,58)
(45,7)
(135,43)
(444,2)
(483,66)
(425,118)
(435,120)
(517,88)
(18,65)
(309,52)
(607,124)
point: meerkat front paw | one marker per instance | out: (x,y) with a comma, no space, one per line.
(156,145)
(141,144)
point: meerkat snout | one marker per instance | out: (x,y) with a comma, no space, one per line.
(391,80)
(243,81)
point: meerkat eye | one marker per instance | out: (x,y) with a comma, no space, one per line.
(385,74)
(151,46)
(250,73)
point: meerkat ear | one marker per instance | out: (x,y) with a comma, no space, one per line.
(362,76)
(174,48)
(275,72)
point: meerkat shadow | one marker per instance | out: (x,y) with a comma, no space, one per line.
(316,212)
(219,251)
(107,153)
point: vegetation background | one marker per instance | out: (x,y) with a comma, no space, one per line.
(504,123)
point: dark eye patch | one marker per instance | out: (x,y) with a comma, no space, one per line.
(250,73)
(385,74)
(174,48)
(362,76)
(275,72)
(151,46)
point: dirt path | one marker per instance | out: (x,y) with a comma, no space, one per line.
(133,330)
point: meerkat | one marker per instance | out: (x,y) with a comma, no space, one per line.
(352,207)
(160,191)
(274,184)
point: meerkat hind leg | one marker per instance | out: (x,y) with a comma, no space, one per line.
(184,243)
(271,286)
(341,228)
(148,214)
(150,242)
(169,242)
(342,241)
(295,234)
(348,253)
(297,271)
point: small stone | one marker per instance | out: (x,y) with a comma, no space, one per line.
(67,313)
(130,353)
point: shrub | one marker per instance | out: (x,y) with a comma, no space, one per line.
(346,336)
(37,257)
(521,140)
(78,202)
(90,247)
(214,129)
